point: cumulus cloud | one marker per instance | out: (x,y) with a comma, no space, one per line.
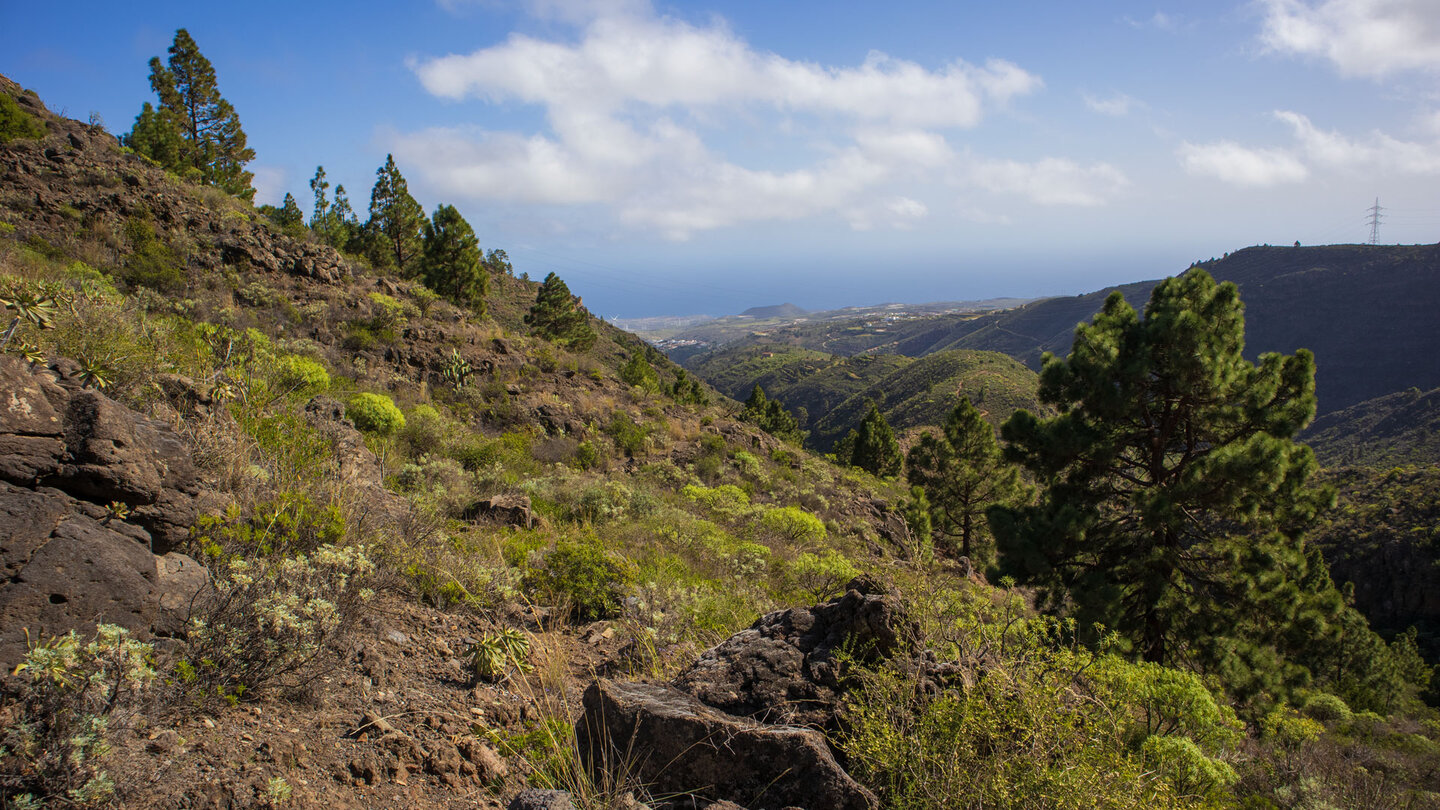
(1377,152)
(640,109)
(1371,38)
(1313,149)
(660,62)
(1242,165)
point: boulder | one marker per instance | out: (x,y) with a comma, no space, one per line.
(662,738)
(68,558)
(783,668)
(68,570)
(507,509)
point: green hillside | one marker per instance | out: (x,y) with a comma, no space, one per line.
(1366,311)
(1400,428)
(922,392)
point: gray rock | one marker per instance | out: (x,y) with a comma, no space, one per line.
(536,799)
(675,745)
(783,668)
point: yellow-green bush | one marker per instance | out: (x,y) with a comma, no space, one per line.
(375,413)
(794,524)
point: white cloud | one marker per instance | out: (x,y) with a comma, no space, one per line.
(1313,150)
(1050,181)
(1379,153)
(659,63)
(1118,105)
(1372,38)
(637,106)
(1240,165)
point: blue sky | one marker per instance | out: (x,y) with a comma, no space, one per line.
(678,158)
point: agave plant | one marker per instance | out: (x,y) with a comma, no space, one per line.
(30,352)
(27,306)
(95,373)
(494,653)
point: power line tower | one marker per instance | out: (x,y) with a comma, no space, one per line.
(1375,221)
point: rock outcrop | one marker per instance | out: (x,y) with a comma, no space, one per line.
(675,745)
(94,497)
(783,668)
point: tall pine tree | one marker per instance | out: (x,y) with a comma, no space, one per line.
(963,475)
(558,317)
(1174,496)
(195,131)
(452,264)
(397,222)
(873,447)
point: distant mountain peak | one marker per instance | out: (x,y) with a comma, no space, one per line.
(775,311)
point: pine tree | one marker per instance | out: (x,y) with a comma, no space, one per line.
(771,416)
(874,449)
(963,474)
(1174,497)
(397,222)
(452,264)
(347,231)
(321,219)
(558,317)
(195,131)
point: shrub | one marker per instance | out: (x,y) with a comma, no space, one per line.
(1190,773)
(1328,709)
(794,524)
(58,721)
(587,456)
(726,500)
(629,436)
(823,576)
(16,123)
(151,263)
(426,431)
(640,374)
(375,413)
(269,620)
(581,575)
(302,376)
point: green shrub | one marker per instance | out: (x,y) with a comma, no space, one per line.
(303,377)
(726,500)
(1328,709)
(580,575)
(640,374)
(794,524)
(151,263)
(426,431)
(823,576)
(629,436)
(587,455)
(476,452)
(1191,774)
(16,123)
(69,699)
(375,413)
(747,463)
